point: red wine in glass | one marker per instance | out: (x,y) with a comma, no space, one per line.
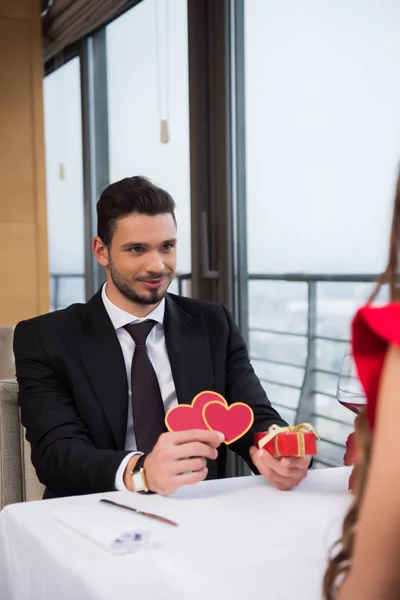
(356,407)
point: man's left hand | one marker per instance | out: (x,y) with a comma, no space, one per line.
(284,473)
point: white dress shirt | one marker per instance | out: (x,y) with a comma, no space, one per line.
(158,355)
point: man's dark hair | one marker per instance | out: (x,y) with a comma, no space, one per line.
(130,195)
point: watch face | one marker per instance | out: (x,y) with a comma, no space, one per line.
(138,482)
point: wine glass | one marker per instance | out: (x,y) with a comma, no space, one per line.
(349,391)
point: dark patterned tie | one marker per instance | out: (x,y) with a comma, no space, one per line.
(147,405)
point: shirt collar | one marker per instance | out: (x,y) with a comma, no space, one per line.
(120,318)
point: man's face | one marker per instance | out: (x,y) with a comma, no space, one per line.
(141,260)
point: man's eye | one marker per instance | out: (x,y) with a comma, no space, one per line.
(136,249)
(167,247)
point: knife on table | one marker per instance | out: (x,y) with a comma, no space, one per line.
(140,512)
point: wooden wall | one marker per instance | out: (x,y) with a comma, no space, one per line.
(24,287)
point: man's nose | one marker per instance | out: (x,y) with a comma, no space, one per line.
(155,263)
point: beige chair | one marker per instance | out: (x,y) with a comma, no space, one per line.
(18,480)
(6,353)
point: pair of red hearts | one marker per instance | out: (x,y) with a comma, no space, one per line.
(210,410)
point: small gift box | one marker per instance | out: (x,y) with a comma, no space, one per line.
(297,440)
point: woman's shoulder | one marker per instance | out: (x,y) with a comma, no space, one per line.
(374,329)
(378,323)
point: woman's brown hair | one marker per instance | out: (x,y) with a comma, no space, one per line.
(340,563)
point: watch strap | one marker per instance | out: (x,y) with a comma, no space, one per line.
(139,463)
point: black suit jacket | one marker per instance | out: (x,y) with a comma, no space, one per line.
(73,389)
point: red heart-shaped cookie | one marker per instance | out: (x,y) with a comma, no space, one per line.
(233,421)
(190,416)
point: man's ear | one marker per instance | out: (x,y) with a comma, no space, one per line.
(100,251)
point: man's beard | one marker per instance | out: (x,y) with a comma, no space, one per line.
(123,286)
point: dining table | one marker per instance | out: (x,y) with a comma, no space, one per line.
(234,539)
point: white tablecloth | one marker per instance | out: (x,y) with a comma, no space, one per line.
(237,539)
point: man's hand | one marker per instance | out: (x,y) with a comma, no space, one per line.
(283,473)
(179,458)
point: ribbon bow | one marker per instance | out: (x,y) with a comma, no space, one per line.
(275,430)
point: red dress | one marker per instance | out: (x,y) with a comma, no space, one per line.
(374,330)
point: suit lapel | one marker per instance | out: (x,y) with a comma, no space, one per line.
(104,362)
(189,353)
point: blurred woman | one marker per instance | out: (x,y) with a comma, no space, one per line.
(367,563)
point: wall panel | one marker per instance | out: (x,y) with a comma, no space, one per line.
(23,231)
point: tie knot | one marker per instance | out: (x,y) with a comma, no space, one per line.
(140,331)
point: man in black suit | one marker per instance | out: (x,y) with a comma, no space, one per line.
(96,379)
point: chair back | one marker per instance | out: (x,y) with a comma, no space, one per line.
(18,479)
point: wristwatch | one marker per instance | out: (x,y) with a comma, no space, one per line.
(139,476)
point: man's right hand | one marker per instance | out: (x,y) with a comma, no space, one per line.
(179,458)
